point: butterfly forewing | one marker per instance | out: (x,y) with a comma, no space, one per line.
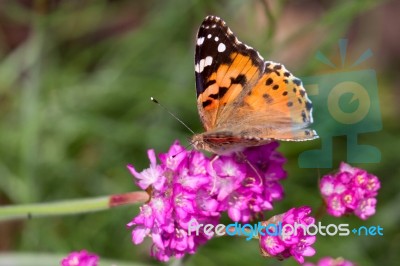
(223,67)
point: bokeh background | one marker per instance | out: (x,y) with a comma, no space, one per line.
(75,83)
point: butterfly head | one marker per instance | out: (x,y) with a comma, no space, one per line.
(198,143)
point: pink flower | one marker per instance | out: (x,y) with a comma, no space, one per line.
(350,190)
(150,176)
(229,175)
(365,208)
(289,242)
(259,186)
(80,258)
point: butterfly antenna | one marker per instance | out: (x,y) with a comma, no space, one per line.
(174,116)
(187,146)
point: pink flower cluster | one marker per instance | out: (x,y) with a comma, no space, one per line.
(350,190)
(327,261)
(178,194)
(289,242)
(246,189)
(187,185)
(80,258)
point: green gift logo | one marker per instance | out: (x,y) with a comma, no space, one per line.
(346,103)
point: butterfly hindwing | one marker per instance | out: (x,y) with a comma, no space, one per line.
(224,67)
(278,105)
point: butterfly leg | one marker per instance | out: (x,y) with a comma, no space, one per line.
(214,174)
(243,158)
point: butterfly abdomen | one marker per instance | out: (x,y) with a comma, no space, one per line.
(225,142)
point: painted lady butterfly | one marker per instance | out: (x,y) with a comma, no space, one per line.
(243,100)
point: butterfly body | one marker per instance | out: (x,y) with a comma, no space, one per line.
(243,100)
(225,142)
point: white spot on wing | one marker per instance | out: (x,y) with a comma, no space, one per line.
(216,39)
(209,36)
(208,61)
(221,47)
(200,41)
(199,67)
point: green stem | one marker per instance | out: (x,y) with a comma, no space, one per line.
(69,207)
(271,20)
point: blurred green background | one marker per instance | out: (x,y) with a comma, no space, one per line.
(75,83)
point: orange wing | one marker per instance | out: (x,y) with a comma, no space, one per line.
(277,107)
(223,66)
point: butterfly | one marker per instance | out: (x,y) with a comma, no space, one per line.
(242,100)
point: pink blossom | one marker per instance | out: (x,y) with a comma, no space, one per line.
(285,245)
(80,258)
(350,190)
